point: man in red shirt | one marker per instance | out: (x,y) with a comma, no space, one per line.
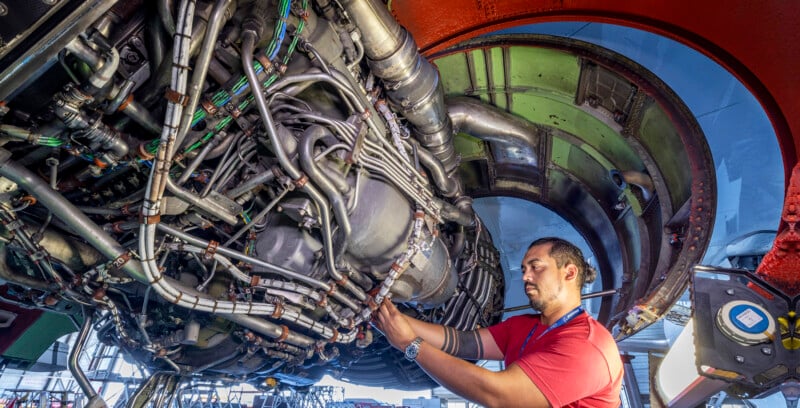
(559,357)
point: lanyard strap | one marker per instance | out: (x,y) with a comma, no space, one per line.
(562,321)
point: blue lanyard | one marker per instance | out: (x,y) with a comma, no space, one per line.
(562,321)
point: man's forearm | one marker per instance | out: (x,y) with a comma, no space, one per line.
(462,344)
(444,368)
(430,332)
(488,388)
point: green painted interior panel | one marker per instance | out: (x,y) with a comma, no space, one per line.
(453,72)
(570,119)
(44,332)
(539,85)
(544,69)
(542,91)
(591,173)
(481,82)
(496,61)
(559,154)
(495,57)
(662,140)
(470,147)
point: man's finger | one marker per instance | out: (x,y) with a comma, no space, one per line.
(386,313)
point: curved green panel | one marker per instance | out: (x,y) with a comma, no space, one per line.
(662,140)
(491,73)
(538,84)
(567,117)
(546,70)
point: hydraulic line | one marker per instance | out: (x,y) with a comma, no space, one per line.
(80,377)
(263,213)
(258,262)
(238,93)
(215,23)
(310,137)
(248,44)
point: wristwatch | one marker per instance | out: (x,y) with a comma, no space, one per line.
(413,349)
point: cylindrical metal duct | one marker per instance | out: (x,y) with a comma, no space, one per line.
(412,83)
(430,280)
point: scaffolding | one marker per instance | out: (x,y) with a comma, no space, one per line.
(118,382)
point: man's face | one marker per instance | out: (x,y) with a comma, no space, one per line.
(542,277)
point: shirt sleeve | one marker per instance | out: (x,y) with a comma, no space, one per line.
(503,331)
(567,370)
(500,333)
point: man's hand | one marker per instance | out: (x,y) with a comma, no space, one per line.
(394,325)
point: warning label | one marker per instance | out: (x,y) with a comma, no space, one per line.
(749,318)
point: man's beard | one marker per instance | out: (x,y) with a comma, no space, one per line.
(543,300)
(537,304)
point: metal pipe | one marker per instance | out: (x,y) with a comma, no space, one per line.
(269,329)
(436,169)
(633,345)
(609,292)
(103,75)
(257,180)
(104,66)
(452,213)
(248,46)
(261,214)
(222,164)
(195,163)
(74,368)
(153,90)
(69,214)
(156,45)
(258,262)
(165,12)
(85,53)
(40,56)
(632,393)
(412,82)
(242,257)
(489,123)
(140,115)
(209,206)
(215,23)
(381,34)
(306,150)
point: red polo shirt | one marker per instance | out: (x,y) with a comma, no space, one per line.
(574,365)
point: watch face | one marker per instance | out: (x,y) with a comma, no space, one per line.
(413,349)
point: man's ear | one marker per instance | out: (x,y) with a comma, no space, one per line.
(572,272)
